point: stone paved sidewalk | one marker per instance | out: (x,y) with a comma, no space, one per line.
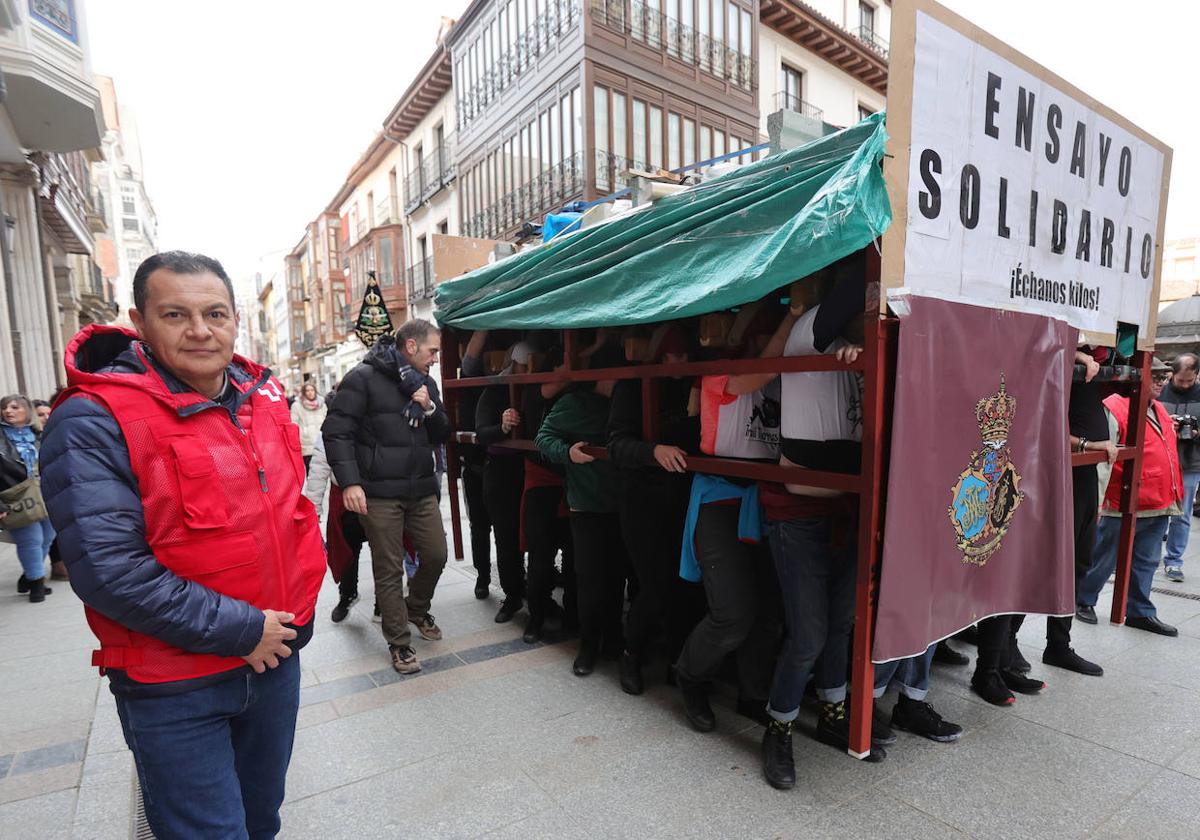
(498,739)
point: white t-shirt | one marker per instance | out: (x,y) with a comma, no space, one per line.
(739,425)
(825,405)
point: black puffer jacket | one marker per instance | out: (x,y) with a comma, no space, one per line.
(368,440)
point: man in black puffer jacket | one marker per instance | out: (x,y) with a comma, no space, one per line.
(380,436)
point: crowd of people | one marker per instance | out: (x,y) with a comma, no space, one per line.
(184,492)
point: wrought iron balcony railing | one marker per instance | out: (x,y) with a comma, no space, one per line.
(553,187)
(435,171)
(785,101)
(873,39)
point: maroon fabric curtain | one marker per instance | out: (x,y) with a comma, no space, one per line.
(979,509)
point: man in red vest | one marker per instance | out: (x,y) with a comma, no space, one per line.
(173,473)
(1159,495)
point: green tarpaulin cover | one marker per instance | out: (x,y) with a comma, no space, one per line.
(723,244)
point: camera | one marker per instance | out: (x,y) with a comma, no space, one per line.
(1186,426)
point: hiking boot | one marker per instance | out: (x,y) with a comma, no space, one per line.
(428,628)
(1066,657)
(919,718)
(1175,574)
(404,660)
(38,590)
(22,585)
(946,655)
(630,670)
(508,608)
(833,725)
(343,608)
(779,765)
(881,733)
(695,705)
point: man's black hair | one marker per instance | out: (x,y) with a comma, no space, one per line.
(1186,361)
(179,262)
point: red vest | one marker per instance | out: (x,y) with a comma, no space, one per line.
(1162,480)
(223,504)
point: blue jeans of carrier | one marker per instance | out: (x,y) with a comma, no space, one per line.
(212,762)
(33,546)
(1181,526)
(1147,549)
(910,676)
(817,584)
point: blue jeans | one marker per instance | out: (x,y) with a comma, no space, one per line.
(1181,526)
(33,546)
(1147,548)
(817,584)
(910,676)
(212,762)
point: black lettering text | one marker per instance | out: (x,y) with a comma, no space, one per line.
(1058,228)
(1053,124)
(1125,171)
(1147,256)
(930,199)
(968,197)
(991,107)
(1025,101)
(1105,145)
(1002,221)
(1079,150)
(1107,231)
(1083,246)
(1033,198)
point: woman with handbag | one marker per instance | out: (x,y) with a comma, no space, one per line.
(22,512)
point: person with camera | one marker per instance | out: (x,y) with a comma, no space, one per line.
(1181,398)
(22,513)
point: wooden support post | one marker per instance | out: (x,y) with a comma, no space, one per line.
(1131,478)
(879,348)
(450,401)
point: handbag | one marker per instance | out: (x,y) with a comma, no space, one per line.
(25,505)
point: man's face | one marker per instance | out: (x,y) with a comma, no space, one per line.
(190,325)
(1157,381)
(1183,380)
(422,356)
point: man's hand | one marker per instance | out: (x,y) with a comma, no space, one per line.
(671,458)
(421,397)
(271,647)
(510,419)
(577,455)
(848,353)
(355,499)
(1093,367)
(1110,450)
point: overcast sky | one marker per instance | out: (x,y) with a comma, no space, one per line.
(251,112)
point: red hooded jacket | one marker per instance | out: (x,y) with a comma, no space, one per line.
(221,496)
(1162,480)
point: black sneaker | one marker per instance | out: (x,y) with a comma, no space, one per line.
(343,608)
(833,725)
(1066,657)
(779,765)
(989,686)
(881,733)
(943,654)
(919,718)
(508,608)
(1021,683)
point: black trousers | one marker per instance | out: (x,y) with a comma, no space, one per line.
(652,526)
(1085,492)
(478,519)
(546,534)
(599,576)
(503,481)
(996,642)
(744,613)
(352,530)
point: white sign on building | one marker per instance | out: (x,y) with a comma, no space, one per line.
(1018,191)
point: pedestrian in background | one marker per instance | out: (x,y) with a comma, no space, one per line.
(18,463)
(1181,398)
(172,470)
(308,413)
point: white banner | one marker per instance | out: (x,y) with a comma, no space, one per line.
(1022,197)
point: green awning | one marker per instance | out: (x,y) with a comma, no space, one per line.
(722,244)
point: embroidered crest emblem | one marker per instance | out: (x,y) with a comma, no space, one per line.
(988,491)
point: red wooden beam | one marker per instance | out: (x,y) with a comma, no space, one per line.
(1131,477)
(450,401)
